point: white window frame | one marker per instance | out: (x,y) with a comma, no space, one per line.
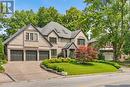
(31,38)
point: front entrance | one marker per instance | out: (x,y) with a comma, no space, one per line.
(69,53)
(72,53)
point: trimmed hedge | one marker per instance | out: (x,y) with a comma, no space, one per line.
(58,60)
(108,62)
(47,63)
(1,65)
(1,69)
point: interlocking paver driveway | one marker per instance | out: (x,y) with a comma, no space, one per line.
(27,70)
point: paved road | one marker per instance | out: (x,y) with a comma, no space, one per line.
(106,80)
(27,70)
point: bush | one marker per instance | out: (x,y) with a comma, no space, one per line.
(108,62)
(1,69)
(58,60)
(47,63)
(101,56)
(54,67)
(2,56)
(59,69)
(86,54)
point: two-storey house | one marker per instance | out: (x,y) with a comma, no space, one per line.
(32,43)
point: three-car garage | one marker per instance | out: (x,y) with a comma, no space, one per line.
(30,55)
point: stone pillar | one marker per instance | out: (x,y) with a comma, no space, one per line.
(8,54)
(24,55)
(50,54)
(64,53)
(68,53)
(37,55)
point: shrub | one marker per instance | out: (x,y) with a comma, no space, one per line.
(1,69)
(58,60)
(54,67)
(47,63)
(101,56)
(108,62)
(2,56)
(86,54)
(59,69)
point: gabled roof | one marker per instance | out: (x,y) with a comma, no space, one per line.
(21,30)
(15,34)
(75,33)
(68,45)
(59,29)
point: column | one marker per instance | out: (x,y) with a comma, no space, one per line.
(50,54)
(24,55)
(68,53)
(64,53)
(8,54)
(37,55)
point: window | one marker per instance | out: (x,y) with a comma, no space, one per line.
(53,40)
(31,36)
(81,41)
(27,36)
(53,52)
(35,37)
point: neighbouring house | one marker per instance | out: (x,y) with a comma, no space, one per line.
(107,51)
(31,43)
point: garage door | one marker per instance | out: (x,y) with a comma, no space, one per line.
(43,55)
(31,55)
(16,55)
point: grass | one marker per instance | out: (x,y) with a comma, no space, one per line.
(92,67)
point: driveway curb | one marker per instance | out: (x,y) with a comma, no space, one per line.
(13,79)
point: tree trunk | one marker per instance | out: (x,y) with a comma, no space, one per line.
(115,52)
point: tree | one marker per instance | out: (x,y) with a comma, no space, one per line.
(85,54)
(18,20)
(2,56)
(126,48)
(72,18)
(111,22)
(45,15)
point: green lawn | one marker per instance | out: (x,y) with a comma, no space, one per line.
(77,69)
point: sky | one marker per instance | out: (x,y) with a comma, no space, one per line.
(60,5)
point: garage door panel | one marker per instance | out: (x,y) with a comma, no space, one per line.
(16,55)
(31,55)
(43,55)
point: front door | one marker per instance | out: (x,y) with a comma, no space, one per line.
(72,53)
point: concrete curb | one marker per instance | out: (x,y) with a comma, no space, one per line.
(10,77)
(53,71)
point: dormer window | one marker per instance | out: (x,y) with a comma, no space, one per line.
(64,32)
(57,31)
(53,40)
(31,37)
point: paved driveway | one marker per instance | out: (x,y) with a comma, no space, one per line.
(28,70)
